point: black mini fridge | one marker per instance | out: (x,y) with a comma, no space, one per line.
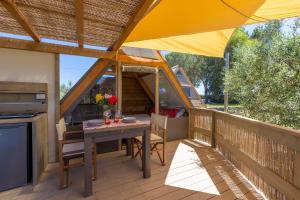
(15,155)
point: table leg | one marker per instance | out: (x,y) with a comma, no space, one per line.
(88,168)
(146,154)
(128,147)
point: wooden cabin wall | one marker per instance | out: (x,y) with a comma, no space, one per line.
(134,99)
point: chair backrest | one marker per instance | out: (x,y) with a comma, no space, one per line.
(61,128)
(158,123)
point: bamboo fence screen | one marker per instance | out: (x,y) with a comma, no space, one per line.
(268,155)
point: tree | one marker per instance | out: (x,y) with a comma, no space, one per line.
(265,77)
(64,89)
(200,69)
(238,38)
(207,70)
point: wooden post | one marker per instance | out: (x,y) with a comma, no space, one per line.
(213,131)
(190,131)
(119,93)
(226,93)
(119,85)
(297,170)
(157,92)
(57,99)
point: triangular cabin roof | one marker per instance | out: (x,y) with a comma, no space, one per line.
(185,81)
(87,81)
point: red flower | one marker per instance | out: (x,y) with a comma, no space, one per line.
(112,100)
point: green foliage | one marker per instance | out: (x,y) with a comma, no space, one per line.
(265,75)
(64,89)
(207,70)
(238,38)
(200,69)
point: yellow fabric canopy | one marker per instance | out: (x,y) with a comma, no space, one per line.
(203,26)
(207,44)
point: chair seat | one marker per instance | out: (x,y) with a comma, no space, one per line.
(73,149)
(154,138)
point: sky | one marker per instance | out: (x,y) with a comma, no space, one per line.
(73,67)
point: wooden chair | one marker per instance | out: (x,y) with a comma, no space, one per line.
(158,138)
(68,150)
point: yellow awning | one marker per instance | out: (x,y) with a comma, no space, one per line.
(207,44)
(203,26)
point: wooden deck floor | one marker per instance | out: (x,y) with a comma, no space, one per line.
(194,171)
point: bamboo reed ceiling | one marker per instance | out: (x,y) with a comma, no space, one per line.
(103,20)
(9,24)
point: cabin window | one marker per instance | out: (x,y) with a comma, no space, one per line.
(187,91)
(168,96)
(87,109)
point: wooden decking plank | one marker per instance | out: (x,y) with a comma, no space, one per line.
(120,178)
(199,196)
(159,187)
(217,179)
(155,176)
(160,183)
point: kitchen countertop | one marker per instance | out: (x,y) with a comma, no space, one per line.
(21,120)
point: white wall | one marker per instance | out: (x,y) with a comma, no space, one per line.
(28,66)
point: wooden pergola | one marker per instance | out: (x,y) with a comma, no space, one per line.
(102,23)
(268,155)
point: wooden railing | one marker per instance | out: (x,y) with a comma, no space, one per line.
(268,155)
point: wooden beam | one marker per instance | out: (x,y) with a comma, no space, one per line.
(140,61)
(79,15)
(146,88)
(11,7)
(143,8)
(157,92)
(57,100)
(119,85)
(53,48)
(82,86)
(153,5)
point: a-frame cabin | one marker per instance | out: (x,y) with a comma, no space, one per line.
(142,85)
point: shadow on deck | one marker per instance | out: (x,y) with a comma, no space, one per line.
(193,171)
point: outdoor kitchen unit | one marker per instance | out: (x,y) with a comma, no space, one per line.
(23,133)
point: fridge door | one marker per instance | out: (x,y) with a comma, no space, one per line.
(13,155)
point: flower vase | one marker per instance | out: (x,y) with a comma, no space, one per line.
(106,114)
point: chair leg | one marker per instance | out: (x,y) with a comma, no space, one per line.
(161,158)
(139,152)
(164,151)
(66,173)
(132,147)
(95,163)
(62,174)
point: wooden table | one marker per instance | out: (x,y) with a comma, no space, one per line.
(114,131)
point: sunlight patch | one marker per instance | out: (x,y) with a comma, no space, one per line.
(187,172)
(231,184)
